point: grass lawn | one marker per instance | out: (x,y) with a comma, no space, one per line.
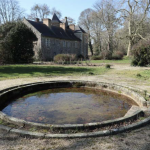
(124,61)
(141,74)
(23,71)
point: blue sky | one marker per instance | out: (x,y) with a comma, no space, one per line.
(69,8)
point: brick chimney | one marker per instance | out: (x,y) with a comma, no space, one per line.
(37,19)
(47,22)
(65,24)
(62,25)
(72,27)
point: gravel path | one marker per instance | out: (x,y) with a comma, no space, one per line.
(134,140)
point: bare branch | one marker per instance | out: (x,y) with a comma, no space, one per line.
(10,10)
(141,36)
(124,10)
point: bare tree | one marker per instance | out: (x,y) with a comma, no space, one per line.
(39,11)
(106,12)
(96,33)
(131,9)
(85,21)
(70,20)
(42,11)
(58,13)
(10,11)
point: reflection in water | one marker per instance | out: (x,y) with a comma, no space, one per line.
(68,106)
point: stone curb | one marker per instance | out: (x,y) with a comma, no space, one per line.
(100,85)
(24,123)
(128,91)
(78,135)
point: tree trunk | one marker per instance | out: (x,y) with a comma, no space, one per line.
(129,48)
(100,44)
(110,45)
(91,47)
(130,40)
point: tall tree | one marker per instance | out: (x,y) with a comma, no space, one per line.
(39,11)
(107,13)
(131,9)
(70,20)
(96,33)
(58,13)
(85,21)
(10,11)
(42,11)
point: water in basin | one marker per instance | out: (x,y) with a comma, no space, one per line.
(69,106)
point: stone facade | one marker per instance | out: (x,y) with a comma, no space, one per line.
(52,47)
(55,37)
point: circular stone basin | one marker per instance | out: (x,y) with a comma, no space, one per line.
(69,106)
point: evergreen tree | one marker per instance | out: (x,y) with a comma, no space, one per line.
(16,45)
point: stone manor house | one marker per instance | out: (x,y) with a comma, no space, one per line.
(56,37)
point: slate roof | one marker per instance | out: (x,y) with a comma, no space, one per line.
(54,32)
(78,29)
(42,28)
(55,19)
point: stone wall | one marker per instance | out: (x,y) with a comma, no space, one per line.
(47,52)
(37,44)
(84,43)
(53,46)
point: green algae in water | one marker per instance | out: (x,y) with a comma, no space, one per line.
(69,106)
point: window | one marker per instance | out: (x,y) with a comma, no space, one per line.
(49,42)
(46,42)
(68,43)
(76,44)
(64,43)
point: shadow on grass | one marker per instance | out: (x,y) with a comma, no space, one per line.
(30,70)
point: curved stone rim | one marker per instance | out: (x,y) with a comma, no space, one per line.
(105,86)
(77,135)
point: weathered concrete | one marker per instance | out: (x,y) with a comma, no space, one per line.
(24,89)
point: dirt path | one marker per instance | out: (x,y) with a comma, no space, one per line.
(134,140)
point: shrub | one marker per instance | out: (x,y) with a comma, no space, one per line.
(63,58)
(108,66)
(139,75)
(80,56)
(91,73)
(141,54)
(117,55)
(96,58)
(105,55)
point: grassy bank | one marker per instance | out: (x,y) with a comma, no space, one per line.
(23,71)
